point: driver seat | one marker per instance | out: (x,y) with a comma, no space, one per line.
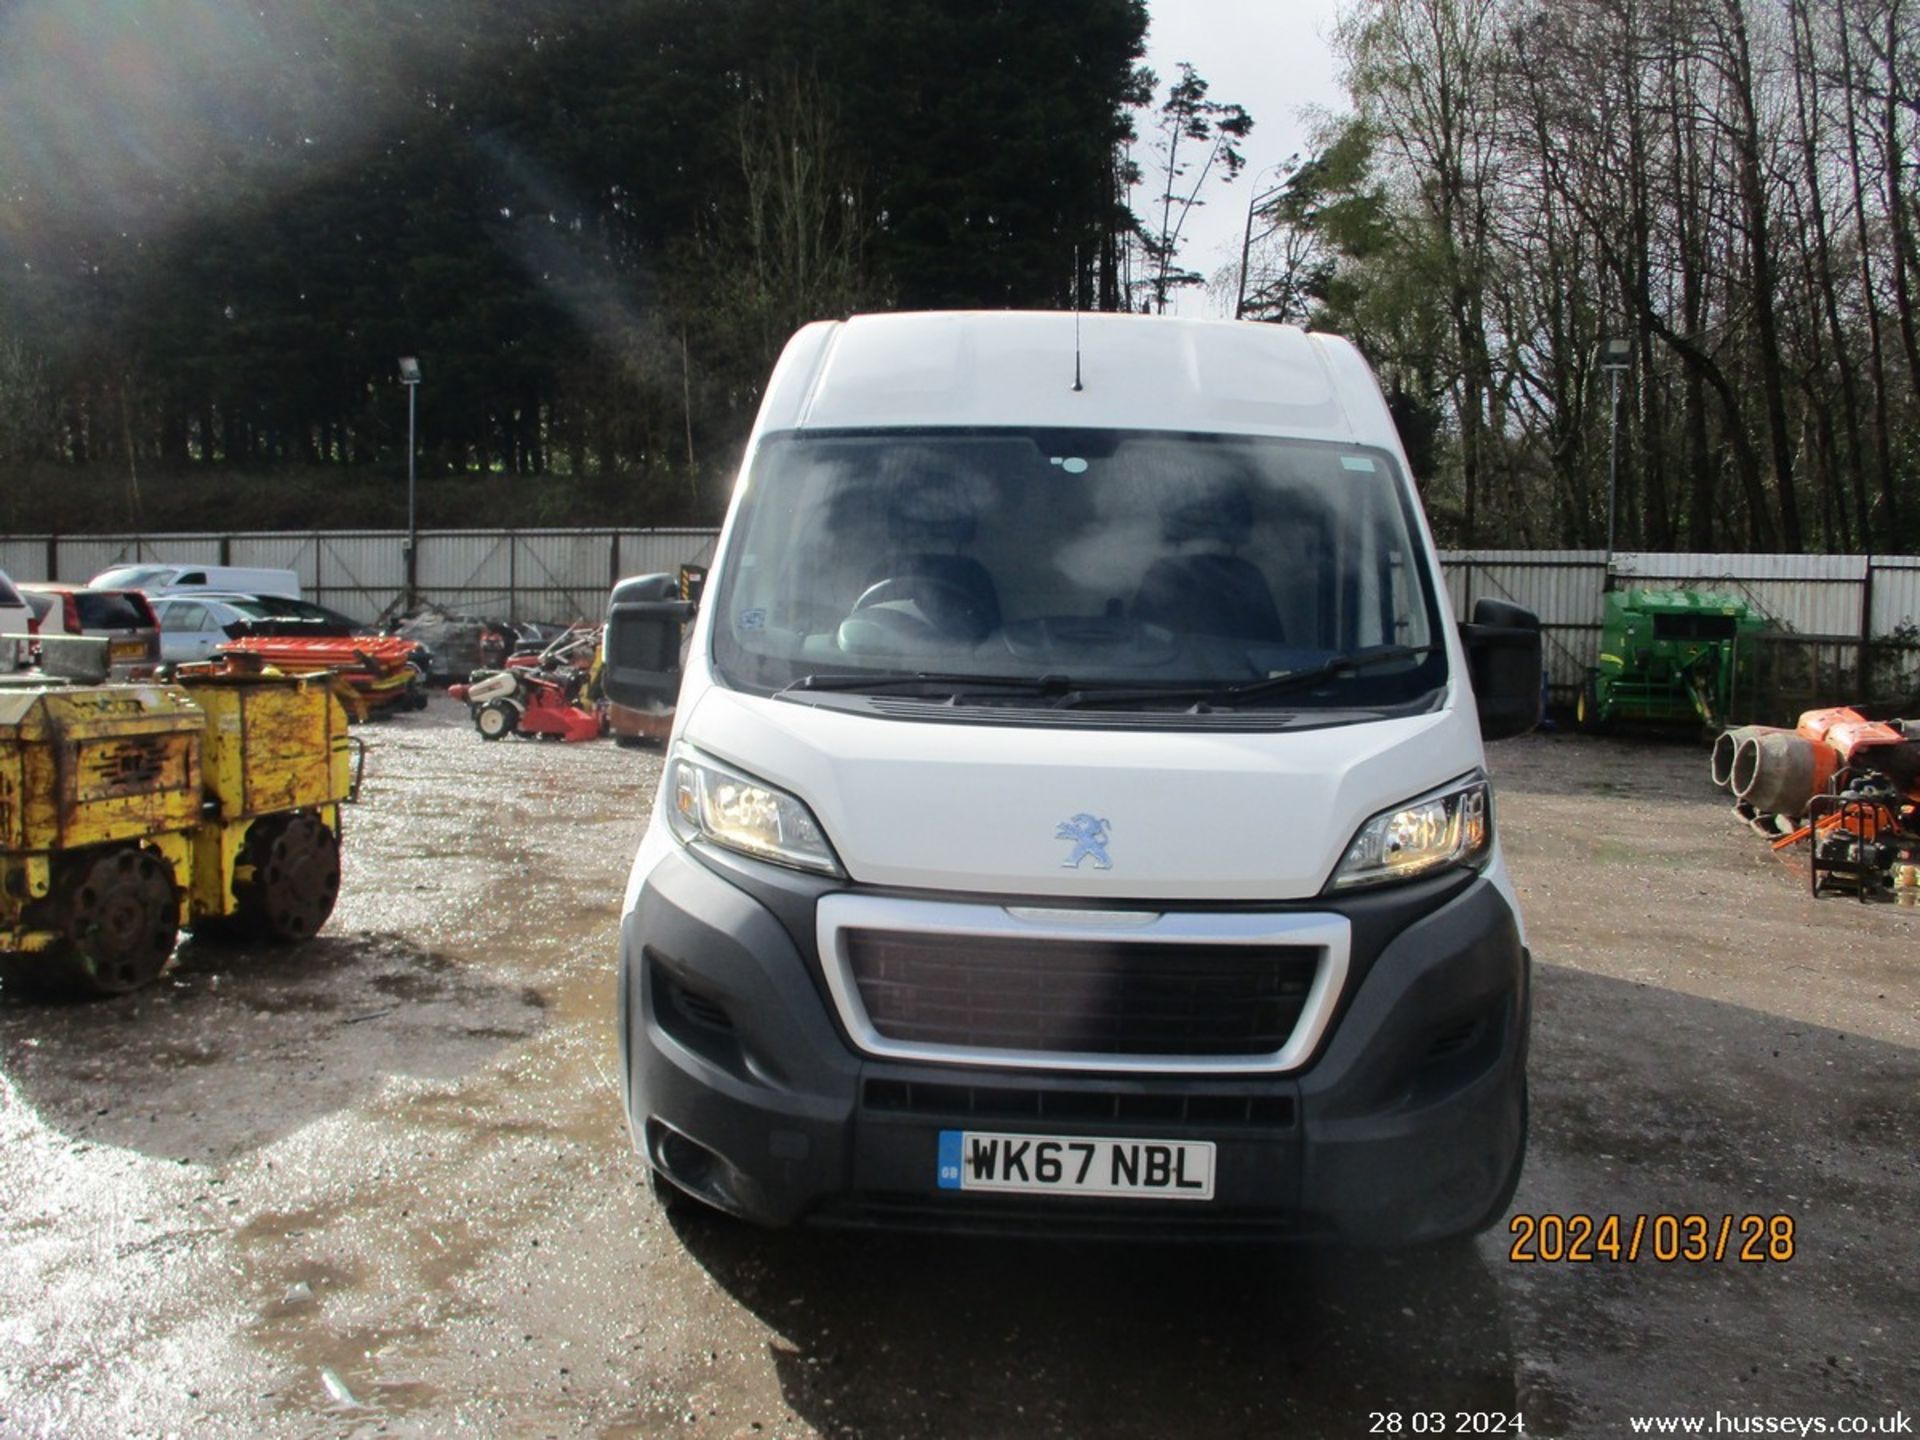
(1211,592)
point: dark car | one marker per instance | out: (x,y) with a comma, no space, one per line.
(287,607)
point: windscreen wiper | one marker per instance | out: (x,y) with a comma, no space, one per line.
(945,682)
(1340,665)
(1229,695)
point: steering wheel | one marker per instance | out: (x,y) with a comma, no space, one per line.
(946,608)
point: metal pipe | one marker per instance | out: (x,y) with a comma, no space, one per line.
(1615,356)
(1613,467)
(1246,249)
(413,529)
(1254,196)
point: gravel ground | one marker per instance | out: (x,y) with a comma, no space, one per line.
(380,1184)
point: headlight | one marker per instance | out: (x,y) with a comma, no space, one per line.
(1450,826)
(709,801)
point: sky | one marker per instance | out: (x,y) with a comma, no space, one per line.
(1275,58)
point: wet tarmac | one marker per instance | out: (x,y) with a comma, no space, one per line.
(380,1184)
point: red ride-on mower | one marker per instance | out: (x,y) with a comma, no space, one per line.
(538,695)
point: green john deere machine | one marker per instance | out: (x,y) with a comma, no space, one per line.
(1669,655)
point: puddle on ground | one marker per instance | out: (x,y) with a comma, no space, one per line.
(210,1064)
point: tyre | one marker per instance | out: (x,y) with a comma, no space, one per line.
(496,720)
(121,915)
(288,878)
(1586,707)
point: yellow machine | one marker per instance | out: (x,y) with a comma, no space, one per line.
(130,811)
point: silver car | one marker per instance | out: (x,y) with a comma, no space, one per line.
(192,625)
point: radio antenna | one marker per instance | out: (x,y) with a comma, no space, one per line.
(1076,320)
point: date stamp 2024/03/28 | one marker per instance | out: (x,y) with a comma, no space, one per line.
(1666,1238)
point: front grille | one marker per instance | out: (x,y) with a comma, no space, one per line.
(965,1213)
(1085,997)
(1079,1104)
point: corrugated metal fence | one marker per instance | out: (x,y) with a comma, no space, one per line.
(547,575)
(1844,603)
(1840,610)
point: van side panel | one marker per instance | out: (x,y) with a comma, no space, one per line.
(225,579)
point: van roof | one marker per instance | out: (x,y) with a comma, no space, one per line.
(250,578)
(1012,368)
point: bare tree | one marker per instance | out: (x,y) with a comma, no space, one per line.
(1426,76)
(1193,138)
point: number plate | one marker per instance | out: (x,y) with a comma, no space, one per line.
(127,650)
(1076,1165)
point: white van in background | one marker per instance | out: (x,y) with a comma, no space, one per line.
(160,579)
(1075,817)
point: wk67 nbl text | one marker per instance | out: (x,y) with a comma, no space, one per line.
(972,1160)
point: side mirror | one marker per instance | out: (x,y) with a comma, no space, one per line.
(644,616)
(1503,659)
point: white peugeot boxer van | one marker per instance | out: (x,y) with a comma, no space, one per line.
(155,580)
(1075,816)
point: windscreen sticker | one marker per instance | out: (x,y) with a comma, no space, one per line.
(752,620)
(1358,462)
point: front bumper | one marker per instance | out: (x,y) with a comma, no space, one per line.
(742,1087)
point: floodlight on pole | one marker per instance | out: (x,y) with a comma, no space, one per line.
(1255,199)
(1616,358)
(410,377)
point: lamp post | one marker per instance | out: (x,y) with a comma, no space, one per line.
(1255,200)
(410,377)
(1616,356)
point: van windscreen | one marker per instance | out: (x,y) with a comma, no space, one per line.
(130,577)
(1089,568)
